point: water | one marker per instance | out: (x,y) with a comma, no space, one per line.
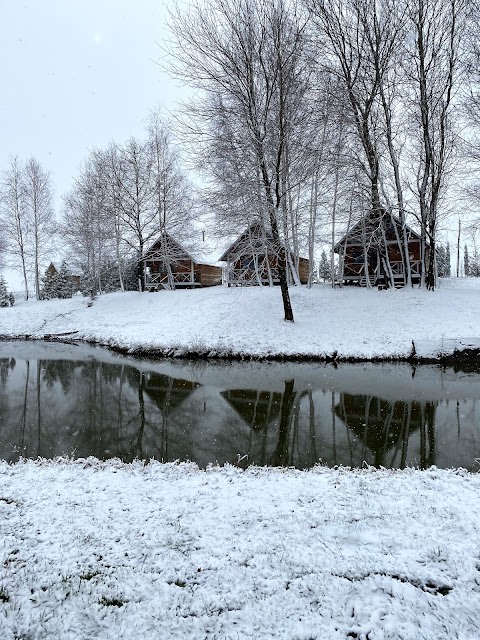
(81,401)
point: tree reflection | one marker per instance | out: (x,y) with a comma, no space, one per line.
(7,365)
(384,428)
(90,407)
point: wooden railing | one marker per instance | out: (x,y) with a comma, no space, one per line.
(178,278)
(355,273)
(248,277)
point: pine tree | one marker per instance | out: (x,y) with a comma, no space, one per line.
(448,264)
(324,268)
(466,262)
(475,263)
(50,285)
(64,284)
(4,296)
(441,260)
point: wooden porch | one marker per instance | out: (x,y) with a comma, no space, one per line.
(182,275)
(354,274)
(238,277)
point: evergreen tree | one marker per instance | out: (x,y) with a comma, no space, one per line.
(474,263)
(110,276)
(50,285)
(324,268)
(5,297)
(466,262)
(448,264)
(64,283)
(441,260)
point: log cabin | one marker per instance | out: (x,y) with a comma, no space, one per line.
(252,259)
(168,265)
(362,252)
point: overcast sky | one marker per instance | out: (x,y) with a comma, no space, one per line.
(76,74)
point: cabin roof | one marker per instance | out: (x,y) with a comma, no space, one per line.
(201,253)
(413,235)
(251,227)
(180,252)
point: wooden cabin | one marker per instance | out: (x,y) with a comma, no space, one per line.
(167,265)
(360,252)
(252,259)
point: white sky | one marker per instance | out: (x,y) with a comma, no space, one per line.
(76,74)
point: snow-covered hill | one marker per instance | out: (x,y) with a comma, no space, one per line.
(249,321)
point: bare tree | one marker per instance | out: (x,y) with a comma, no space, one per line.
(363,37)
(246,58)
(437,28)
(39,211)
(136,198)
(87,228)
(14,220)
(172,195)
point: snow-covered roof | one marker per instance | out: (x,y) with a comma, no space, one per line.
(200,246)
(252,228)
(369,224)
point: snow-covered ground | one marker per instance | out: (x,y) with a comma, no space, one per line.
(107,551)
(249,321)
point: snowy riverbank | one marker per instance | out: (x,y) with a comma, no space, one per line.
(107,551)
(236,322)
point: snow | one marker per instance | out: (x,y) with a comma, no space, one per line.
(107,551)
(223,321)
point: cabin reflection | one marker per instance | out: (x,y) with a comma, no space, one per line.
(257,408)
(384,428)
(273,418)
(114,409)
(166,392)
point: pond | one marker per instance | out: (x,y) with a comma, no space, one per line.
(81,401)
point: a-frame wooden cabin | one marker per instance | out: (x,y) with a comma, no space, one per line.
(167,265)
(252,259)
(362,247)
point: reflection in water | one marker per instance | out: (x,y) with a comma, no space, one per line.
(385,428)
(281,415)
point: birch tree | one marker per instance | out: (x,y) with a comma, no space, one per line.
(39,212)
(86,226)
(14,225)
(363,37)
(245,58)
(436,66)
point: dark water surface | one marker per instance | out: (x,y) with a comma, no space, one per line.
(81,401)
